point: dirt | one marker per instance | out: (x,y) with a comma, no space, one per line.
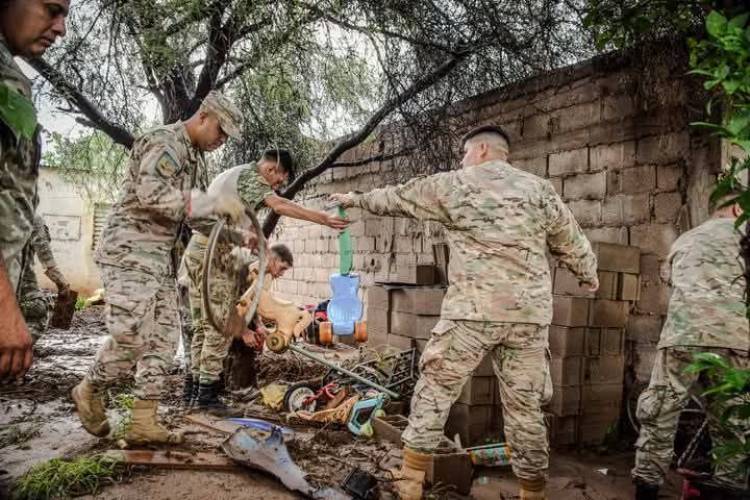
(37,423)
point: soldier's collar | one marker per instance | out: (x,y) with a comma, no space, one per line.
(193,152)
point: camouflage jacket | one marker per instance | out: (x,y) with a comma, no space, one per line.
(144,224)
(19,157)
(707,308)
(252,188)
(40,246)
(499,222)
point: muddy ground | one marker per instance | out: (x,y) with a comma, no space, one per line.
(37,423)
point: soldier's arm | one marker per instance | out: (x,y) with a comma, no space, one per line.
(421,198)
(567,241)
(288,208)
(15,340)
(156,188)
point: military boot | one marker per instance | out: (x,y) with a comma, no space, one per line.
(411,476)
(646,491)
(90,408)
(532,489)
(189,390)
(208,400)
(144,427)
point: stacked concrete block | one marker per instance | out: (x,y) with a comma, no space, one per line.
(587,344)
(403,317)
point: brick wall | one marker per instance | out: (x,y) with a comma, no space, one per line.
(614,139)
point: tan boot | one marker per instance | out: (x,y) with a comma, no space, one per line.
(532,489)
(90,409)
(145,429)
(411,475)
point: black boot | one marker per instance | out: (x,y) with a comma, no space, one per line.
(646,491)
(189,390)
(208,400)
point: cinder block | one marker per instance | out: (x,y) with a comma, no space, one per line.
(475,424)
(604,370)
(570,311)
(653,238)
(586,212)
(479,391)
(410,272)
(593,342)
(594,429)
(566,400)
(608,281)
(617,258)
(412,325)
(589,186)
(563,431)
(608,313)
(451,467)
(613,156)
(378,297)
(568,162)
(660,149)
(615,235)
(601,399)
(667,207)
(422,300)
(565,342)
(613,341)
(628,287)
(566,371)
(636,208)
(644,328)
(403,343)
(668,177)
(441,257)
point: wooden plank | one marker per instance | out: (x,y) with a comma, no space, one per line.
(215,424)
(173,459)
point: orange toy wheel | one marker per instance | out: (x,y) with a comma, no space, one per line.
(325,333)
(360,331)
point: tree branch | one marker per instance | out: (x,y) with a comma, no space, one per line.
(117,132)
(355,139)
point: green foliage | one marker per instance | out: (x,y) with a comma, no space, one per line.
(17,112)
(729,400)
(63,478)
(17,434)
(80,304)
(92,162)
(723,59)
(622,23)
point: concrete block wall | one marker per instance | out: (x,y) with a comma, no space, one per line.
(629,167)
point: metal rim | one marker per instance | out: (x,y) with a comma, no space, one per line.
(207,264)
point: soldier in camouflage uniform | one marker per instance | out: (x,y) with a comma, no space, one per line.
(165,170)
(27,29)
(33,303)
(254,185)
(706,314)
(499,222)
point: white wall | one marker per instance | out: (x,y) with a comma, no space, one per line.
(70,218)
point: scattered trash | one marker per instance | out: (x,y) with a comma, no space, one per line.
(361,485)
(603,472)
(336,415)
(490,455)
(483,480)
(171,459)
(267,452)
(360,419)
(273,395)
(263,425)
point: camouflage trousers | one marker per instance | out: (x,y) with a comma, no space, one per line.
(34,305)
(659,409)
(520,359)
(186,325)
(209,347)
(141,316)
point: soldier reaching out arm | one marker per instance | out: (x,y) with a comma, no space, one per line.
(498,221)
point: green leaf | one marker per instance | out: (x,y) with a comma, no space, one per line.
(715,24)
(17,112)
(739,21)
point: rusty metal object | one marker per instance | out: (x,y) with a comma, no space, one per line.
(65,306)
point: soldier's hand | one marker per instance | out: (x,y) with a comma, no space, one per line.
(345,200)
(15,346)
(336,222)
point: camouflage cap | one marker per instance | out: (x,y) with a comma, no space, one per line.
(230,118)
